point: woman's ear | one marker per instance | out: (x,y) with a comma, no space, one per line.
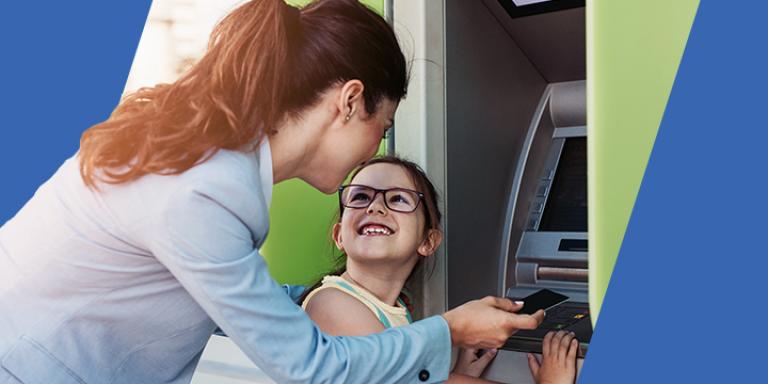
(431,242)
(350,99)
(337,236)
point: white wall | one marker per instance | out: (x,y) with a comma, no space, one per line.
(175,36)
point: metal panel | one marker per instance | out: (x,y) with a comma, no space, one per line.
(492,91)
(554,42)
(536,160)
(512,367)
(420,125)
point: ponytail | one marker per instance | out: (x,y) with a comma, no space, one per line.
(263,61)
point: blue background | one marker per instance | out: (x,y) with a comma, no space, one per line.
(63,66)
(686,301)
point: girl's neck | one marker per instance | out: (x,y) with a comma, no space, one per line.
(384,283)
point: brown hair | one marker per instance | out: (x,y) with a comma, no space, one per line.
(429,203)
(265,61)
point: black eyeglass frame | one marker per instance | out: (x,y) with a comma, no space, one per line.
(376,193)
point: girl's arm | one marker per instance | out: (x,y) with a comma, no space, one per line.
(339,314)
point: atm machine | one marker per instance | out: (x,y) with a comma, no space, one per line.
(496,114)
(544,238)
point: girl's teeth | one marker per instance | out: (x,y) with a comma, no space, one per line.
(383,231)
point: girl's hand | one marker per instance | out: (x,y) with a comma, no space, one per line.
(469,364)
(558,359)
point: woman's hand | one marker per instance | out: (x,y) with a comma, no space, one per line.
(468,363)
(489,322)
(558,359)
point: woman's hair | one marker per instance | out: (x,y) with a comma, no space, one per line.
(429,203)
(265,61)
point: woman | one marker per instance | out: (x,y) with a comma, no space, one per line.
(124,262)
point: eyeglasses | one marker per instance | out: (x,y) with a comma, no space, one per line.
(396,199)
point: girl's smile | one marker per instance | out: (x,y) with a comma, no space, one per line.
(376,232)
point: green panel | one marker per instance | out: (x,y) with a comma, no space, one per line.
(633,52)
(298,249)
(376,5)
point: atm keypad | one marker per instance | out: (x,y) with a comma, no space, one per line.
(561,317)
(569,316)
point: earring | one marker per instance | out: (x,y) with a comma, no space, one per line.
(349,115)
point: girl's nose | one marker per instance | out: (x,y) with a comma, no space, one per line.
(377,205)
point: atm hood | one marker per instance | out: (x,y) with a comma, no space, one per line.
(552,34)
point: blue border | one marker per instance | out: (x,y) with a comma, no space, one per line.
(63,68)
(686,300)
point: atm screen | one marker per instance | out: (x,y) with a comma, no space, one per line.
(566,206)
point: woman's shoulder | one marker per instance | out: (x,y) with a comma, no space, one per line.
(228,178)
(227,168)
(221,195)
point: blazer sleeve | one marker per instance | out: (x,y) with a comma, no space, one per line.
(212,252)
(294,291)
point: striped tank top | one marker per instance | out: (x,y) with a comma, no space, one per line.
(388,315)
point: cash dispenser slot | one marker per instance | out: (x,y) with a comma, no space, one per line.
(562,274)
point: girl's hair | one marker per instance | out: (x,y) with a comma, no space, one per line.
(429,204)
(265,61)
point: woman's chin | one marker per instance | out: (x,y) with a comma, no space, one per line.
(324,186)
(330,189)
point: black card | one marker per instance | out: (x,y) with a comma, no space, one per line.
(543,299)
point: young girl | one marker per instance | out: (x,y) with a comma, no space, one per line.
(388,224)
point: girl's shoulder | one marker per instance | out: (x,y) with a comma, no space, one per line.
(339,313)
(349,295)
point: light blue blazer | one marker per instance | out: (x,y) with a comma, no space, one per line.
(126,285)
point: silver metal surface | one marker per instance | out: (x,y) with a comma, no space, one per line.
(566,132)
(389,16)
(543,247)
(492,92)
(389,11)
(545,180)
(569,103)
(420,122)
(562,274)
(517,179)
(512,367)
(554,42)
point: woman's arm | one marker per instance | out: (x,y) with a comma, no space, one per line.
(207,245)
(457,378)
(338,313)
